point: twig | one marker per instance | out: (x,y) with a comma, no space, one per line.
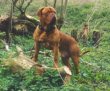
(6,45)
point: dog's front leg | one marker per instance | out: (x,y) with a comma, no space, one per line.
(36,47)
(55,54)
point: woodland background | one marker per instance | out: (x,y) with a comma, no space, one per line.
(16,29)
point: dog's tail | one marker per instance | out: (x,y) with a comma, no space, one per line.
(83,53)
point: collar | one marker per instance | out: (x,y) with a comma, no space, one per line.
(49,28)
(41,27)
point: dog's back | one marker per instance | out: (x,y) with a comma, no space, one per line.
(68,44)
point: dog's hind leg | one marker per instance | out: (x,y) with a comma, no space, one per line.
(75,59)
(65,61)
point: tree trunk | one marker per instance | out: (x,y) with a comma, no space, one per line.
(45,3)
(54,4)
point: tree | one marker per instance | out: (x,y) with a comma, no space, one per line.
(21,5)
(62,13)
(54,3)
(60,20)
(45,3)
(22,24)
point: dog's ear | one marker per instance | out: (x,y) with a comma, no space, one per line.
(53,9)
(39,12)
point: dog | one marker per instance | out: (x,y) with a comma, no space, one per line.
(58,42)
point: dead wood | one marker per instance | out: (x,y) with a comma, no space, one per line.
(4,45)
(96,37)
(20,25)
(74,34)
(23,62)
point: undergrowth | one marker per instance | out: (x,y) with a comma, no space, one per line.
(94,66)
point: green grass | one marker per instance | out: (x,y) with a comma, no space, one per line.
(94,66)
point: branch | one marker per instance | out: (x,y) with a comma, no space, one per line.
(21,5)
(65,6)
(61,14)
(27,5)
(14,2)
(18,7)
(54,5)
(45,2)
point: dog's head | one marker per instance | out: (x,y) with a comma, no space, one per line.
(46,15)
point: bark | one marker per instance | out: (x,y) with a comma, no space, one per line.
(26,25)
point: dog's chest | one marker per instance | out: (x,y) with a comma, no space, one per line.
(48,45)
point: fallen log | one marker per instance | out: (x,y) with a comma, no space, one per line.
(23,62)
(96,37)
(19,26)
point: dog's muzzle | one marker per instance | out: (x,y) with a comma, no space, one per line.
(53,21)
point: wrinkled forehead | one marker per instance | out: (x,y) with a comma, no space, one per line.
(48,10)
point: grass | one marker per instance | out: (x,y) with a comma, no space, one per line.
(94,66)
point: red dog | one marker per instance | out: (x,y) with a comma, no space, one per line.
(55,40)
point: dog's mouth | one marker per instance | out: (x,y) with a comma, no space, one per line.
(53,21)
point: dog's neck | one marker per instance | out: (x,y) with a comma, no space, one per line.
(42,28)
(49,27)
